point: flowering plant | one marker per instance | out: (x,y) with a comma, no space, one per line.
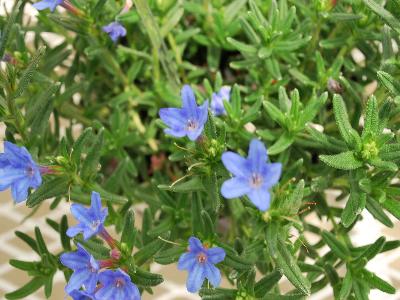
(230,122)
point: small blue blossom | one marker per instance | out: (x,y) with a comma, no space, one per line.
(116,285)
(217,100)
(91,219)
(81,295)
(252,176)
(50,4)
(200,264)
(86,270)
(18,171)
(188,120)
(115,30)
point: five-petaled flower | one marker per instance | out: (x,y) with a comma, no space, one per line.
(188,120)
(252,176)
(116,285)
(91,219)
(50,4)
(86,270)
(200,264)
(115,30)
(18,171)
(217,100)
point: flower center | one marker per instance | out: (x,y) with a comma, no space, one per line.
(256,180)
(201,258)
(95,224)
(30,171)
(92,268)
(191,125)
(119,282)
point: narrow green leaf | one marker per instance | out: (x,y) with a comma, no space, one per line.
(354,206)
(346,286)
(336,246)
(384,14)
(290,269)
(371,125)
(27,75)
(26,290)
(342,120)
(265,284)
(389,82)
(57,186)
(89,166)
(344,161)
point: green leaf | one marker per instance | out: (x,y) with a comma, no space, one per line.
(377,212)
(80,144)
(342,120)
(89,166)
(28,289)
(389,83)
(392,206)
(384,14)
(57,186)
(65,240)
(170,255)
(275,113)
(5,31)
(371,125)
(354,206)
(286,262)
(284,141)
(28,240)
(191,185)
(373,249)
(128,235)
(336,246)
(346,286)
(28,73)
(245,49)
(378,283)
(344,161)
(149,250)
(265,284)
(23,265)
(144,278)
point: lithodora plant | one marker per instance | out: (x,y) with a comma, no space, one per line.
(207,135)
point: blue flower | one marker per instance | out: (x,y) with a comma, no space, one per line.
(217,100)
(252,176)
(199,262)
(81,295)
(50,4)
(116,285)
(18,171)
(115,30)
(91,219)
(188,120)
(85,267)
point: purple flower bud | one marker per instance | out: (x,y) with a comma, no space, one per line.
(115,30)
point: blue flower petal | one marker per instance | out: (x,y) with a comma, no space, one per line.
(257,155)
(213,274)
(271,174)
(235,187)
(175,133)
(8,175)
(195,245)
(76,280)
(19,189)
(235,164)
(196,278)
(189,101)
(81,213)
(215,255)
(261,198)
(174,118)
(186,261)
